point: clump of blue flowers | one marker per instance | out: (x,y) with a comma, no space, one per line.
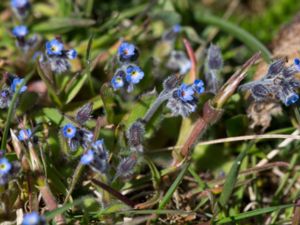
(13,83)
(183,100)
(33,218)
(77,136)
(25,44)
(58,57)
(279,83)
(128,74)
(96,157)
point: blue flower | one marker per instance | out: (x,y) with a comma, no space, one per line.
(291,99)
(16,84)
(20,31)
(185,93)
(5,166)
(126,50)
(71,54)
(134,74)
(24,134)
(98,143)
(54,47)
(87,158)
(198,86)
(69,131)
(117,81)
(176,28)
(297,63)
(19,3)
(33,218)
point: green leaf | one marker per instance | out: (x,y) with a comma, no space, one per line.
(50,215)
(253,213)
(140,109)
(232,177)
(55,116)
(75,88)
(55,25)
(46,76)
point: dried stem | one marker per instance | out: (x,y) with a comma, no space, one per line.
(50,201)
(114,192)
(212,110)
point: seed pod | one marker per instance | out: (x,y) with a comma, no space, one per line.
(214,58)
(260,92)
(135,136)
(171,82)
(84,113)
(126,167)
(276,67)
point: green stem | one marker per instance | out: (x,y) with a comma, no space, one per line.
(75,178)
(11,110)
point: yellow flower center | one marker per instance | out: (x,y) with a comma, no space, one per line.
(2,166)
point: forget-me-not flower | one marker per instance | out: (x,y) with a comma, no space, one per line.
(134,74)
(185,93)
(33,218)
(69,131)
(24,134)
(20,31)
(5,166)
(17,84)
(54,47)
(126,50)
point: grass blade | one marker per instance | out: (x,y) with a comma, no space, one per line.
(232,177)
(174,186)
(253,213)
(234,30)
(11,110)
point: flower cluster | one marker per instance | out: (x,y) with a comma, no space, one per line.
(184,98)
(77,136)
(278,84)
(57,57)
(129,73)
(213,66)
(25,44)
(33,218)
(20,8)
(13,84)
(96,157)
